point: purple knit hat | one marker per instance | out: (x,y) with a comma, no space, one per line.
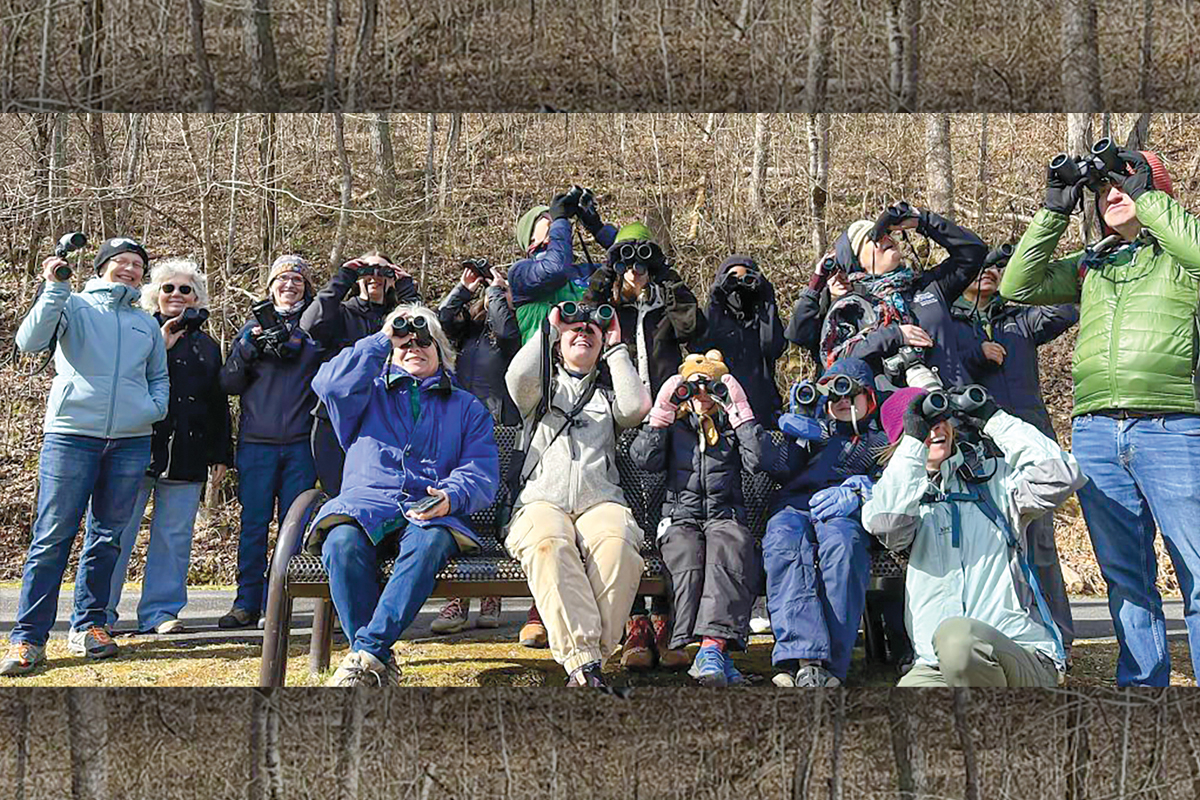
(892,413)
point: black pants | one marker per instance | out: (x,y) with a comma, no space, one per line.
(714,572)
(328,455)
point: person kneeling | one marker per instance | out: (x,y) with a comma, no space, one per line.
(975,610)
(412,438)
(713,563)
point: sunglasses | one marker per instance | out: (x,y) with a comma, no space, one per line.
(170,288)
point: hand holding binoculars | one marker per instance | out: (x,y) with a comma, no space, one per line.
(963,403)
(417,327)
(1091,170)
(891,218)
(689,389)
(69,243)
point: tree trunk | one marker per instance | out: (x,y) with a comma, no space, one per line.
(1138,136)
(1079,142)
(101,174)
(91,55)
(835,751)
(272,751)
(208,92)
(981,188)
(385,159)
(1146,59)
(818,171)
(268,216)
(59,173)
(88,732)
(255,781)
(1126,722)
(231,241)
(332,14)
(1079,754)
(1184,717)
(939,165)
(202,186)
(758,171)
(44,55)
(339,243)
(818,56)
(363,38)
(1080,56)
(21,733)
(802,769)
(349,767)
(447,182)
(910,94)
(962,728)
(131,163)
(907,747)
(260,46)
(431,143)
(895,37)
(42,133)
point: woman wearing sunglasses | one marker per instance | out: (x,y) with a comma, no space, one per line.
(191,441)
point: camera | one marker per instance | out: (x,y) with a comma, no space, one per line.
(417,327)
(480,267)
(1092,169)
(69,243)
(689,389)
(998,256)
(274,332)
(601,316)
(904,358)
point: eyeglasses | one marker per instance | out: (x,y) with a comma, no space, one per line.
(170,288)
(290,277)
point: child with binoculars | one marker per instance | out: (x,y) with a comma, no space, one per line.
(702,433)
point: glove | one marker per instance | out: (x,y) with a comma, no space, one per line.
(249,348)
(915,424)
(663,413)
(600,286)
(1060,196)
(563,206)
(1142,178)
(589,217)
(738,408)
(841,501)
(406,290)
(801,428)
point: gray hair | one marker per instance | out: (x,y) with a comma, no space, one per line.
(446,353)
(168,268)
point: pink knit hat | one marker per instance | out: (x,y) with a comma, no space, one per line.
(892,413)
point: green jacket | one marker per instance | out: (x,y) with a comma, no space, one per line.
(1137,344)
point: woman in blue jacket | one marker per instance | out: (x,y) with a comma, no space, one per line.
(109,390)
(410,434)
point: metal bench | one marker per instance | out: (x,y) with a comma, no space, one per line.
(492,572)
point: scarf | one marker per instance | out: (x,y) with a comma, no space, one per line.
(890,287)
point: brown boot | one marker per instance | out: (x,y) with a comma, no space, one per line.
(667,658)
(533,632)
(639,639)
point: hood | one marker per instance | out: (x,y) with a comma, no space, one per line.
(118,293)
(844,253)
(735,260)
(855,368)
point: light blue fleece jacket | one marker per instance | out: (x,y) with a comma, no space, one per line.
(111,362)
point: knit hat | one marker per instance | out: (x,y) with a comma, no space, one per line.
(634,232)
(113,247)
(524,229)
(892,413)
(711,365)
(291,263)
(857,234)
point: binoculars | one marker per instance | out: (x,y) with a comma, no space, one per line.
(581,197)
(1092,169)
(890,218)
(804,394)
(999,256)
(480,267)
(380,270)
(840,386)
(69,243)
(193,318)
(956,402)
(418,327)
(689,389)
(750,280)
(601,316)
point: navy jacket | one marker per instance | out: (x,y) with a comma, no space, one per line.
(802,472)
(485,348)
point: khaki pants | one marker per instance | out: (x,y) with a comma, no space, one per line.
(972,653)
(583,573)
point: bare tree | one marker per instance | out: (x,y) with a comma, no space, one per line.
(230,241)
(909,95)
(1146,57)
(758,171)
(131,163)
(806,757)
(1080,56)
(268,217)
(332,20)
(202,186)
(44,55)
(895,37)
(101,173)
(339,140)
(266,774)
(835,750)
(91,54)
(349,755)
(1079,142)
(939,166)
(981,186)
(908,747)
(59,171)
(1138,136)
(363,38)
(818,171)
(819,31)
(966,742)
(431,143)
(385,159)
(21,737)
(1079,753)
(447,179)
(260,46)
(208,92)
(88,731)
(41,129)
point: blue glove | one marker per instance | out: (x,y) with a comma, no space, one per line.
(798,426)
(840,501)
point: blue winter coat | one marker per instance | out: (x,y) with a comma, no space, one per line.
(552,267)
(390,460)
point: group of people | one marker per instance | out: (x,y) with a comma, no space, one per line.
(923,431)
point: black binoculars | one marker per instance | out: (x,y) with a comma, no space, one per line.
(601,316)
(804,394)
(955,401)
(418,327)
(840,386)
(999,256)
(689,389)
(637,253)
(890,218)
(193,318)
(1092,169)
(581,197)
(379,270)
(480,267)
(69,243)
(750,280)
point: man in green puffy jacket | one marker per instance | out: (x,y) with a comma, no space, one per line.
(1136,429)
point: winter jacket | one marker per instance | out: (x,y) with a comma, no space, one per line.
(576,469)
(391,459)
(928,304)
(1015,385)
(1137,345)
(111,377)
(335,321)
(656,326)
(196,432)
(962,564)
(551,276)
(277,395)
(485,347)
(804,328)
(751,344)
(702,483)
(802,471)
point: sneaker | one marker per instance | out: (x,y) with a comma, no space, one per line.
(589,675)
(93,642)
(489,613)
(533,632)
(238,617)
(359,668)
(452,618)
(733,676)
(760,620)
(668,658)
(814,676)
(169,626)
(639,638)
(22,658)
(709,667)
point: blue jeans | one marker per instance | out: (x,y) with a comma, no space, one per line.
(1144,473)
(373,619)
(266,473)
(77,474)
(164,582)
(817,579)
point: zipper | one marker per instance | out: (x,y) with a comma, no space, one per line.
(112,400)
(1113,337)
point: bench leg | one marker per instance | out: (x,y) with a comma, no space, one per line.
(273,671)
(873,629)
(322,637)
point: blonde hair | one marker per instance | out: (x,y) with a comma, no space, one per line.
(446,352)
(168,268)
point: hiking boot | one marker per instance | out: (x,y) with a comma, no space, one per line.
(22,658)
(360,668)
(93,642)
(533,632)
(169,626)
(589,675)
(238,617)
(815,676)
(639,639)
(452,618)
(709,667)
(760,620)
(489,613)
(667,657)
